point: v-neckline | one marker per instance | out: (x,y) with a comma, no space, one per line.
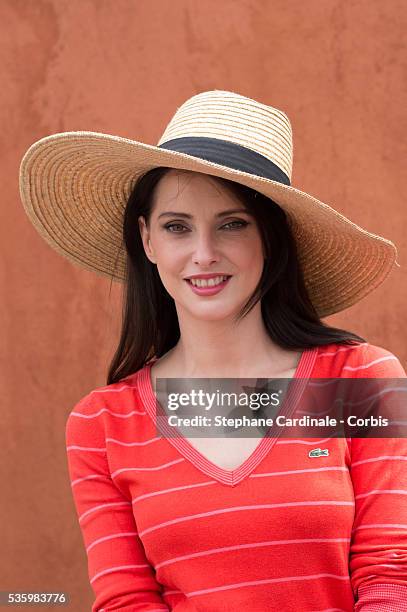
(188,451)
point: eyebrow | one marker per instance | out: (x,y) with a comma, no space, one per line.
(187,216)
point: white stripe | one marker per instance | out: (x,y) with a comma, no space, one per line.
(147,469)
(334,381)
(267,581)
(107,390)
(87,448)
(89,477)
(116,414)
(381,526)
(102,506)
(182,488)
(132,534)
(212,551)
(380,458)
(144,443)
(192,517)
(313,413)
(344,348)
(304,471)
(150,610)
(371,397)
(367,365)
(263,475)
(316,441)
(330,610)
(118,568)
(380,491)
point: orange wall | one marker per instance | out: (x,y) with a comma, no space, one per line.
(122,67)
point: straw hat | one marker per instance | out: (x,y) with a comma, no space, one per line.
(74,187)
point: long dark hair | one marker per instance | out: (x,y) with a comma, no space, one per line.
(149,319)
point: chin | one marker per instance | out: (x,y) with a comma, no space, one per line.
(212,314)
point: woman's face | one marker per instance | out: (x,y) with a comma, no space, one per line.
(197,227)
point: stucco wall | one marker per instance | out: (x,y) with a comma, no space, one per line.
(122,67)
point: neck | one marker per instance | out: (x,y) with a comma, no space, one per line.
(227,349)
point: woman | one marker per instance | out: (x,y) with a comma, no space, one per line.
(179,522)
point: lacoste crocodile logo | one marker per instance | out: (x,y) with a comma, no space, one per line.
(318,452)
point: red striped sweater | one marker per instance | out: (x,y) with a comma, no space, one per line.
(166,529)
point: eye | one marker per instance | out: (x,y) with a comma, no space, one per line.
(240,224)
(170,225)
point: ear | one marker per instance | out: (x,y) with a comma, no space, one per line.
(145,237)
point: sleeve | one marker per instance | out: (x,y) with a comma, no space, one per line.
(119,572)
(378,549)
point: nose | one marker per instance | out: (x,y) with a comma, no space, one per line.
(205,250)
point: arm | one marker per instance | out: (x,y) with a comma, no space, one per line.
(120,575)
(378,553)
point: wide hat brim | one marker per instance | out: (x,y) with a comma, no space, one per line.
(74,187)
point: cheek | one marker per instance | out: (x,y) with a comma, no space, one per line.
(248,256)
(170,264)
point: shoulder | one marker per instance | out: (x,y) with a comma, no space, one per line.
(361,360)
(92,413)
